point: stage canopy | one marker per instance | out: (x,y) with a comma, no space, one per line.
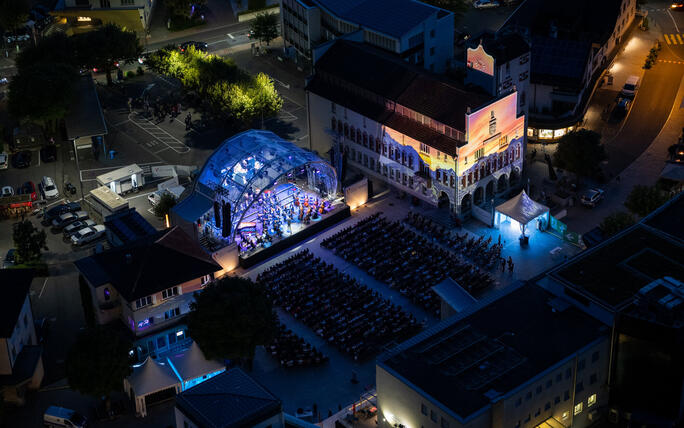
(150,378)
(191,366)
(245,165)
(522,208)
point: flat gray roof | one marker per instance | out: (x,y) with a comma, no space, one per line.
(85,118)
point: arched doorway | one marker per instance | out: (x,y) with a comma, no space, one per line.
(515,177)
(443,201)
(489,190)
(502,183)
(466,203)
(478,197)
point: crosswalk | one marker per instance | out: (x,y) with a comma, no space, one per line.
(160,135)
(674,39)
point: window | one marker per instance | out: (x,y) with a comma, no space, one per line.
(528,395)
(104,4)
(127,2)
(479,153)
(444,423)
(549,383)
(169,292)
(578,409)
(566,395)
(518,402)
(143,302)
(581,364)
(579,387)
(559,377)
(527,419)
(172,313)
(593,378)
(539,389)
(423,409)
(161,342)
(433,416)
(591,400)
(595,357)
(523,75)
(425,148)
(568,373)
(537,413)
(556,400)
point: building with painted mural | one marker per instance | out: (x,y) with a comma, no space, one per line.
(431,138)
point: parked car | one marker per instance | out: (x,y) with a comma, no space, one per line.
(60,417)
(4,160)
(631,86)
(67,218)
(199,46)
(10,259)
(87,234)
(21,159)
(7,191)
(28,188)
(48,188)
(591,197)
(485,4)
(58,210)
(48,153)
(76,226)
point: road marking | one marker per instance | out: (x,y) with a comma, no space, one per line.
(679,39)
(673,20)
(43,288)
(279,82)
(667,39)
(231,36)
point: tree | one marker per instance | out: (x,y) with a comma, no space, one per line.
(163,207)
(580,152)
(42,93)
(230,318)
(616,222)
(98,362)
(28,241)
(105,46)
(56,48)
(183,8)
(643,200)
(458,7)
(14,14)
(266,100)
(264,27)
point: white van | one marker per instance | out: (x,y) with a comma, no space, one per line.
(49,188)
(631,86)
(60,417)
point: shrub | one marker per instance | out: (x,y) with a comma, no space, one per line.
(140,71)
(130,74)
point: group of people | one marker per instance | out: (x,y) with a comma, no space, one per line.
(405,260)
(477,249)
(157,108)
(293,351)
(348,315)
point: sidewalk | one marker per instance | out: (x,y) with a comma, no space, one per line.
(628,62)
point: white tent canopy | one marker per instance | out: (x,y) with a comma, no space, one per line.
(148,378)
(191,364)
(522,208)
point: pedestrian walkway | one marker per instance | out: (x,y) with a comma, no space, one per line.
(162,139)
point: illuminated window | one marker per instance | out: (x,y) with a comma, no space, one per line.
(545,133)
(566,415)
(578,409)
(479,153)
(425,148)
(558,133)
(530,132)
(591,400)
(503,141)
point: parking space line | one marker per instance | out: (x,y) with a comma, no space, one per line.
(43,288)
(179,147)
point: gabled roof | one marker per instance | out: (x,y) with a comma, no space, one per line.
(191,363)
(229,400)
(392,17)
(149,265)
(151,377)
(389,77)
(14,287)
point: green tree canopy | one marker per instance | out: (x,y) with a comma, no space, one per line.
(163,207)
(230,317)
(643,200)
(56,48)
(105,46)
(14,14)
(28,241)
(580,152)
(265,27)
(98,362)
(616,222)
(43,92)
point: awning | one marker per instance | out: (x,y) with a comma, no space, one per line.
(151,377)
(522,208)
(193,207)
(191,364)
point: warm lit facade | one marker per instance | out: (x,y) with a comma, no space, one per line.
(488,368)
(459,152)
(83,15)
(419,33)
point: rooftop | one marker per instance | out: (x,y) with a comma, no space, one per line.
(504,47)
(669,218)
(392,17)
(391,78)
(229,400)
(128,226)
(149,265)
(467,361)
(558,61)
(15,285)
(614,271)
(85,117)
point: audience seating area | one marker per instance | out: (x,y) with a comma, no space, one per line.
(348,315)
(292,351)
(405,260)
